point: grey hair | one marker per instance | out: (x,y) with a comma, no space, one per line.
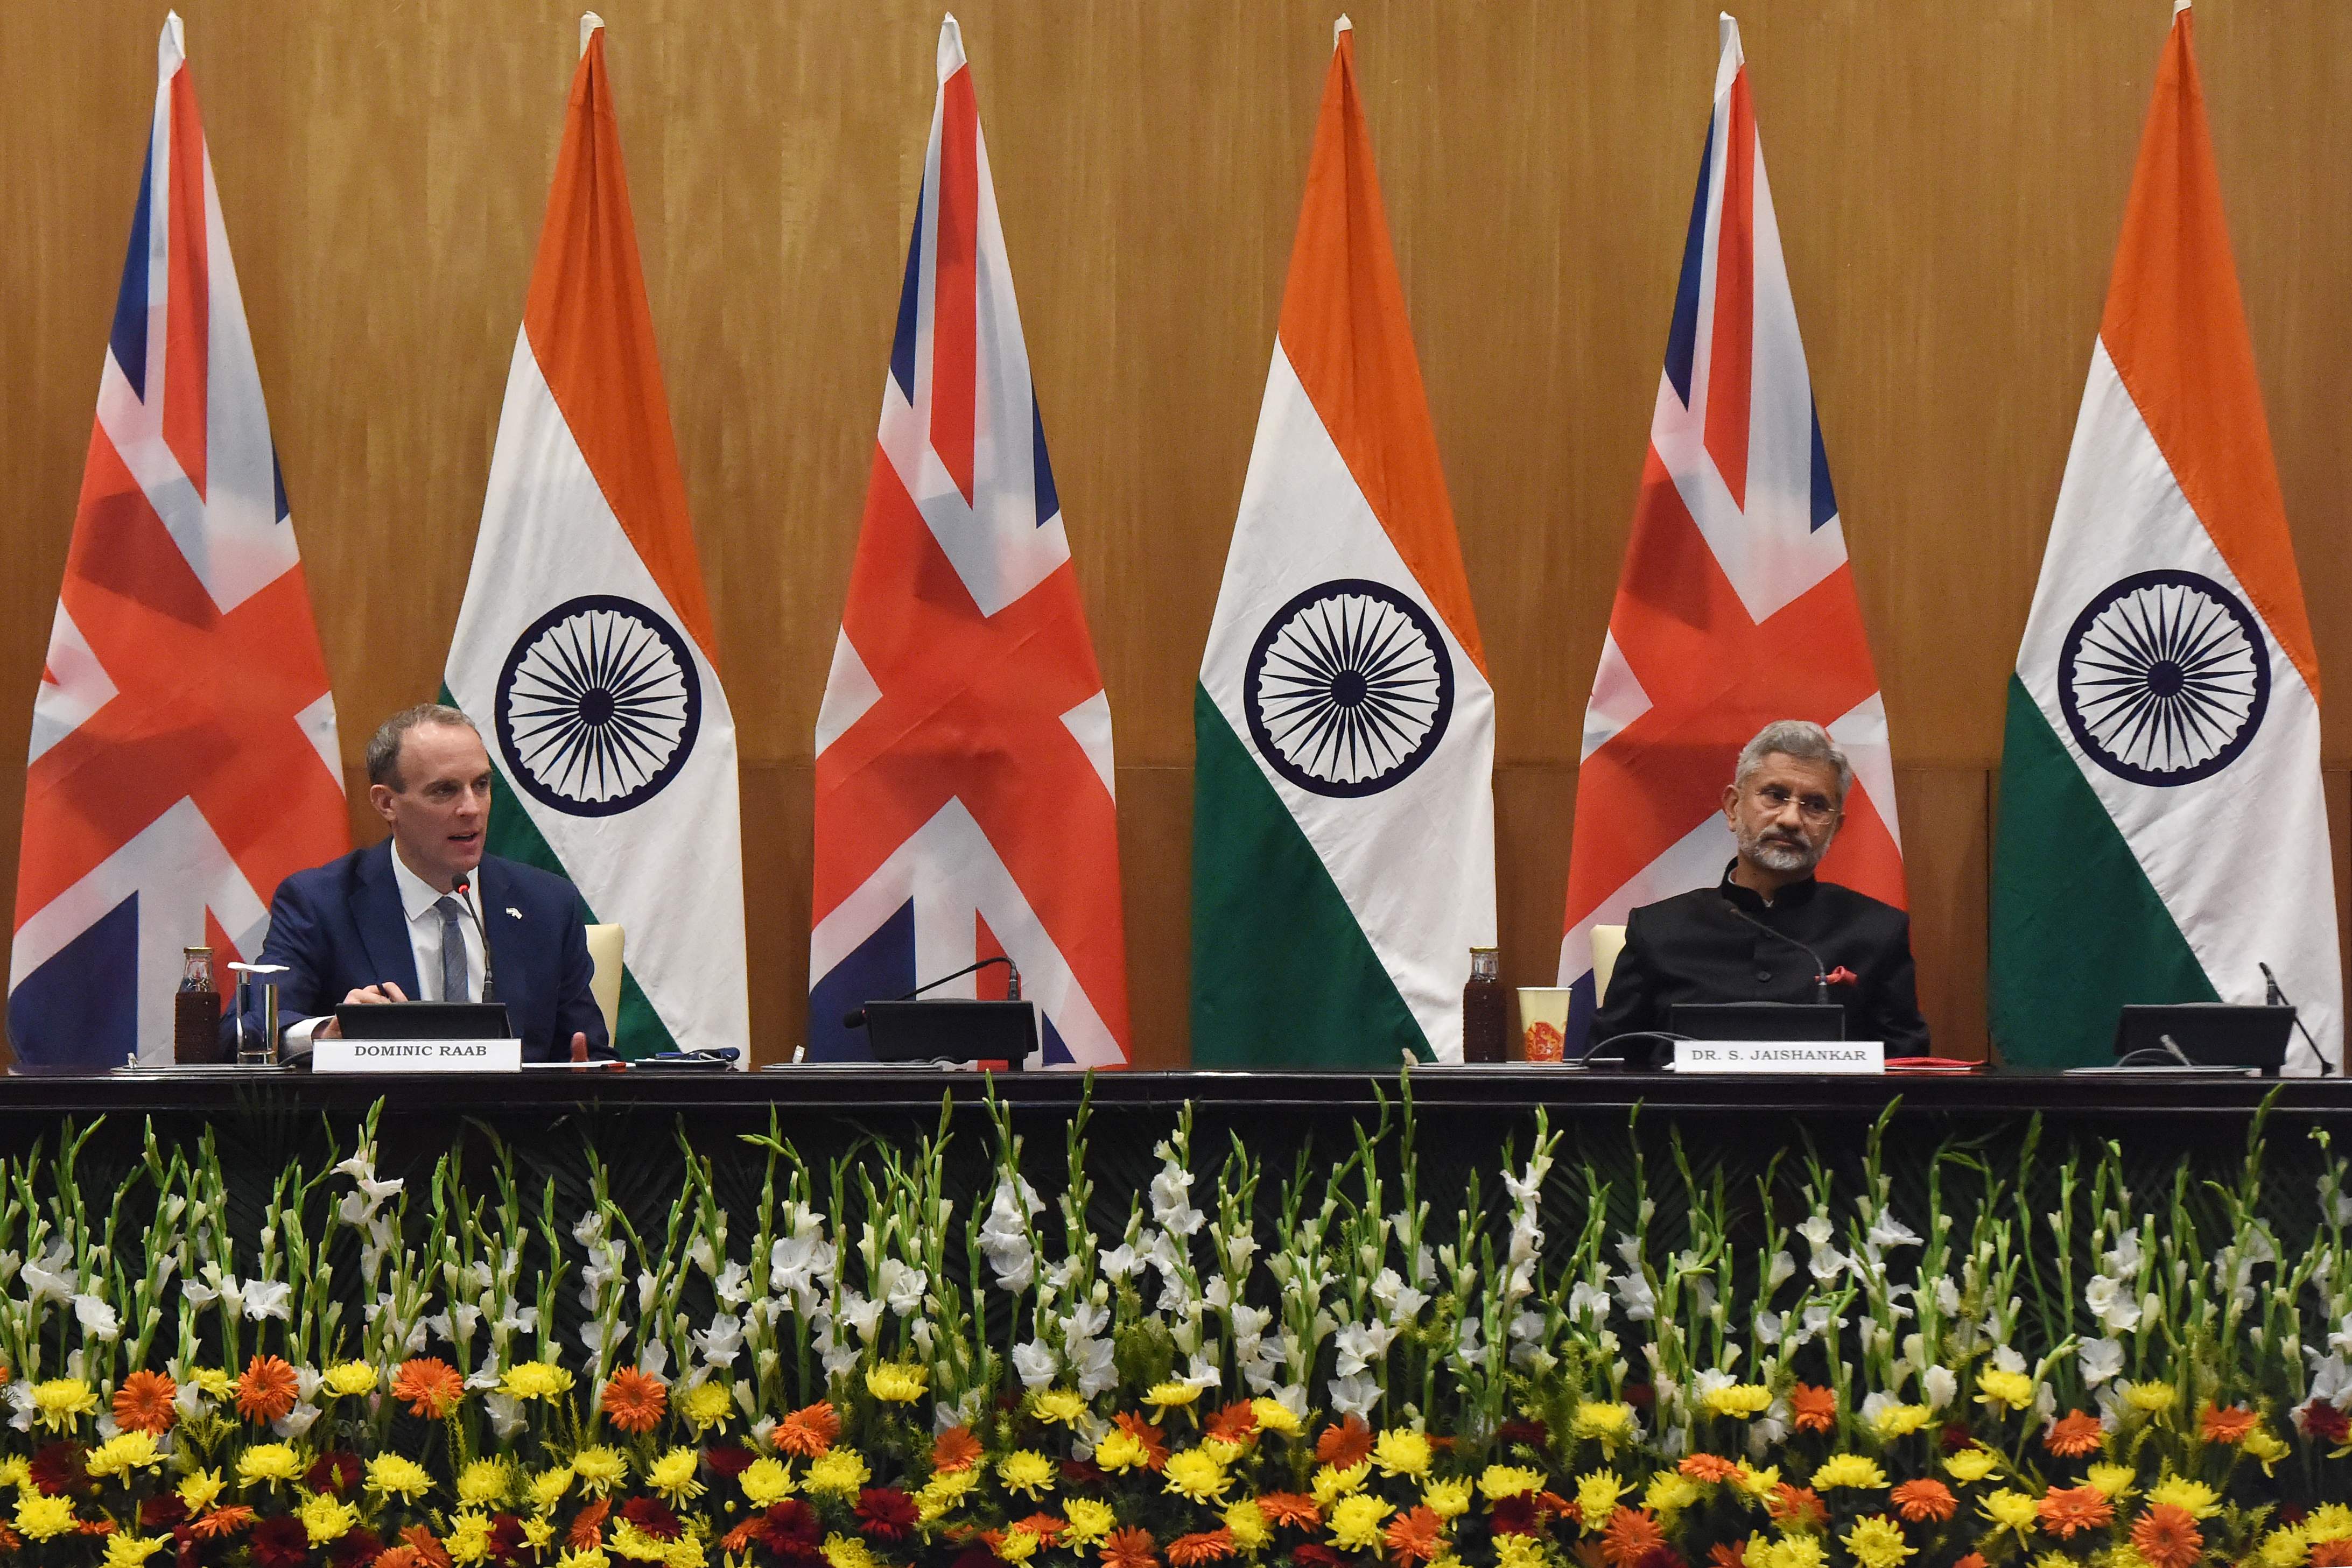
(1794,737)
(383,747)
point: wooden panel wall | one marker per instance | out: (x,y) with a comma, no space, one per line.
(1949,179)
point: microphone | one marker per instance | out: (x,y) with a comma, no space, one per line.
(2273,996)
(856,1019)
(1821,970)
(464,889)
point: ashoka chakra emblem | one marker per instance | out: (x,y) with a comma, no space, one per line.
(2164,678)
(1348,688)
(598,706)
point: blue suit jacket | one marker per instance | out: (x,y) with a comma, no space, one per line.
(340,926)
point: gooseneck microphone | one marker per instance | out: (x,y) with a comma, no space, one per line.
(464,889)
(2273,996)
(856,1019)
(1821,970)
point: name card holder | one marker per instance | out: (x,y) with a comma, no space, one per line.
(417,1056)
(1862,1057)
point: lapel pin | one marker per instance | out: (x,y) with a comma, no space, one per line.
(512,913)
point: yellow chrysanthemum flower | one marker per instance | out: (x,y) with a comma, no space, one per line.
(1089,1520)
(1878,1543)
(535,1380)
(943,1491)
(1121,1449)
(1596,1492)
(765,1482)
(685,1552)
(1166,1396)
(2150,1398)
(632,1543)
(1247,1526)
(122,1454)
(1740,1401)
(548,1487)
(2011,1510)
(483,1483)
(327,1517)
(1447,1498)
(1028,1472)
(1972,1464)
(266,1464)
(468,1540)
(2182,1492)
(672,1475)
(1017,1545)
(396,1475)
(1670,1491)
(1196,1475)
(1518,1551)
(59,1400)
(1356,1523)
(124,1550)
(2004,1390)
(214,1381)
(539,1533)
(1758,1483)
(1849,1471)
(2267,1447)
(2286,1547)
(15,1470)
(1499,1482)
(1333,1482)
(585,1557)
(1611,1422)
(38,1518)
(1795,1552)
(1900,1420)
(1401,1452)
(898,1382)
(2330,1522)
(848,1552)
(200,1490)
(1274,1416)
(1222,1449)
(346,1379)
(705,1406)
(839,1472)
(600,1469)
(1057,1406)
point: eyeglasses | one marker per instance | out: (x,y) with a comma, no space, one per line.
(1814,809)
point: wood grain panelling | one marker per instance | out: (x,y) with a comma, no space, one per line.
(1948,180)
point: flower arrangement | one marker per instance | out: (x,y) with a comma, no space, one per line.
(1315,1370)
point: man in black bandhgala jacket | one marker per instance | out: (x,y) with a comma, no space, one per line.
(1718,943)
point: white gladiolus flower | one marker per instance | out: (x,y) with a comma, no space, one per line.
(1035,1361)
(1938,1384)
(97,1318)
(1353,1396)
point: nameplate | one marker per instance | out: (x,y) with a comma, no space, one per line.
(1858,1056)
(417,1056)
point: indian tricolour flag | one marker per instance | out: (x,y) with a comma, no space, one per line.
(584,648)
(1343,827)
(2162,832)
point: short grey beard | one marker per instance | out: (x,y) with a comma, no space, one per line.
(1780,857)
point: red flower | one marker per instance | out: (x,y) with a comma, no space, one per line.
(2323,1423)
(2075,1434)
(1342,1444)
(653,1516)
(885,1513)
(979,1554)
(1661,1557)
(1957,1437)
(1310,1555)
(1812,1409)
(509,1549)
(165,1512)
(1640,1396)
(356,1547)
(1534,1434)
(57,1470)
(1082,1473)
(1514,1516)
(280,1542)
(726,1461)
(337,1471)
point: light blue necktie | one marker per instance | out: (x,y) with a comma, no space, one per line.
(453,950)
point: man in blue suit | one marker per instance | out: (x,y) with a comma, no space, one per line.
(406,919)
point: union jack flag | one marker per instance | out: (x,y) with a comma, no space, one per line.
(1737,606)
(184,756)
(964,785)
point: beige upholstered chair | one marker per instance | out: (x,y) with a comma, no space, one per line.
(1608,941)
(605,943)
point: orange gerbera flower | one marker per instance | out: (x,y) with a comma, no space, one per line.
(808,1431)
(1631,1536)
(2067,1510)
(634,1400)
(1232,1424)
(1414,1536)
(588,1525)
(1281,1508)
(1728,1554)
(1588,1554)
(99,1527)
(396,1557)
(2075,1434)
(428,1551)
(1969,1560)
(1155,1443)
(1812,1409)
(143,1403)
(1795,1507)
(268,1390)
(954,1449)
(1208,1546)
(1130,1548)
(226,1521)
(737,1539)
(1707,1467)
(2225,1426)
(2336,1553)
(1344,1443)
(432,1388)
(1924,1501)
(2167,1536)
(1045,1527)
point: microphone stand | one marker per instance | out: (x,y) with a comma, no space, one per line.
(856,1019)
(465,888)
(1821,970)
